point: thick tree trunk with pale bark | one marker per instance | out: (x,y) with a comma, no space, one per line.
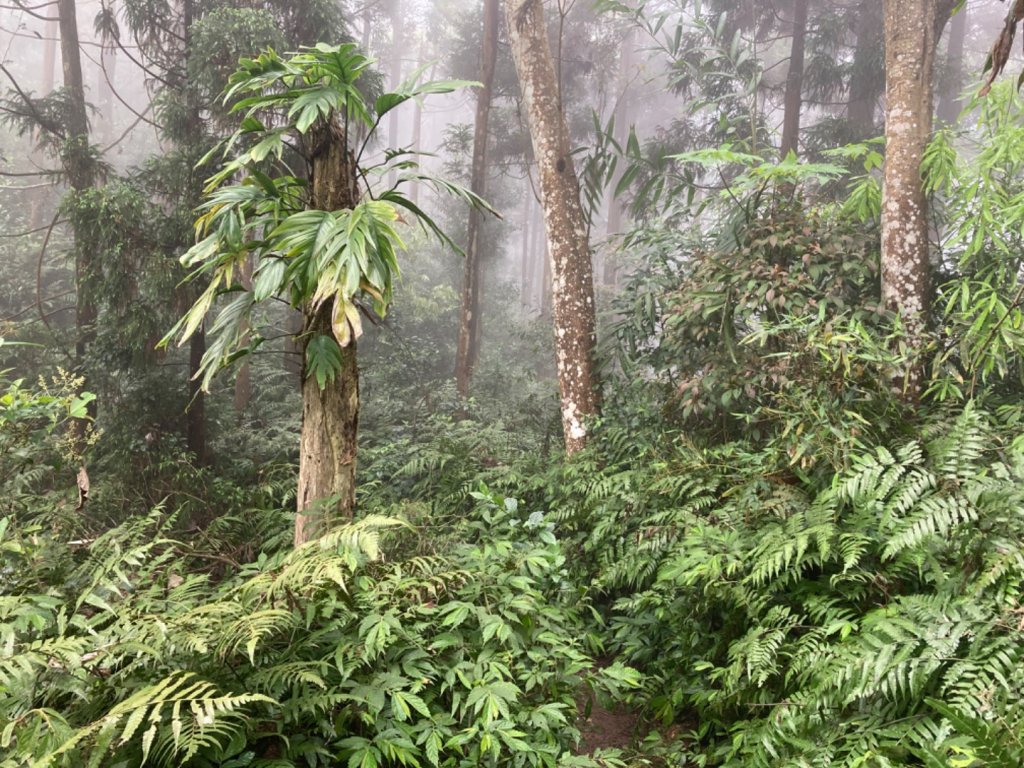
(330,416)
(793,102)
(468,349)
(910,32)
(571,269)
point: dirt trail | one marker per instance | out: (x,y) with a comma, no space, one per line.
(604,728)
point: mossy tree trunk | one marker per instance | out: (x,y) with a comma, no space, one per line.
(330,415)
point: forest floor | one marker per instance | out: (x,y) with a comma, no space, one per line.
(604,728)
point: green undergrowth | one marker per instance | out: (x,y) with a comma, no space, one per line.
(863,613)
(380,644)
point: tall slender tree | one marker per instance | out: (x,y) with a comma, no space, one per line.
(568,245)
(80,170)
(468,349)
(867,79)
(793,101)
(949,97)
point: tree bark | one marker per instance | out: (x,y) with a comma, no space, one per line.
(525,257)
(330,416)
(949,100)
(195,437)
(397,33)
(293,347)
(79,168)
(468,349)
(910,33)
(195,413)
(866,81)
(793,102)
(327,443)
(571,268)
(243,379)
(623,114)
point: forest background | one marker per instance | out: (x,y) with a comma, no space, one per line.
(686,421)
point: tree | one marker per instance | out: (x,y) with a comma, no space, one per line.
(468,349)
(79,166)
(571,269)
(949,105)
(318,244)
(793,102)
(912,28)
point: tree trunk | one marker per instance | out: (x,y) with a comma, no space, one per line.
(623,114)
(327,444)
(293,347)
(571,268)
(107,72)
(79,168)
(330,416)
(417,135)
(949,100)
(793,102)
(910,31)
(526,258)
(50,56)
(195,420)
(468,349)
(243,379)
(397,33)
(866,82)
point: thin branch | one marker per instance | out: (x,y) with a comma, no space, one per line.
(44,38)
(43,122)
(113,90)
(41,185)
(142,66)
(20,174)
(30,307)
(22,7)
(30,12)
(128,130)
(39,282)
(31,231)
